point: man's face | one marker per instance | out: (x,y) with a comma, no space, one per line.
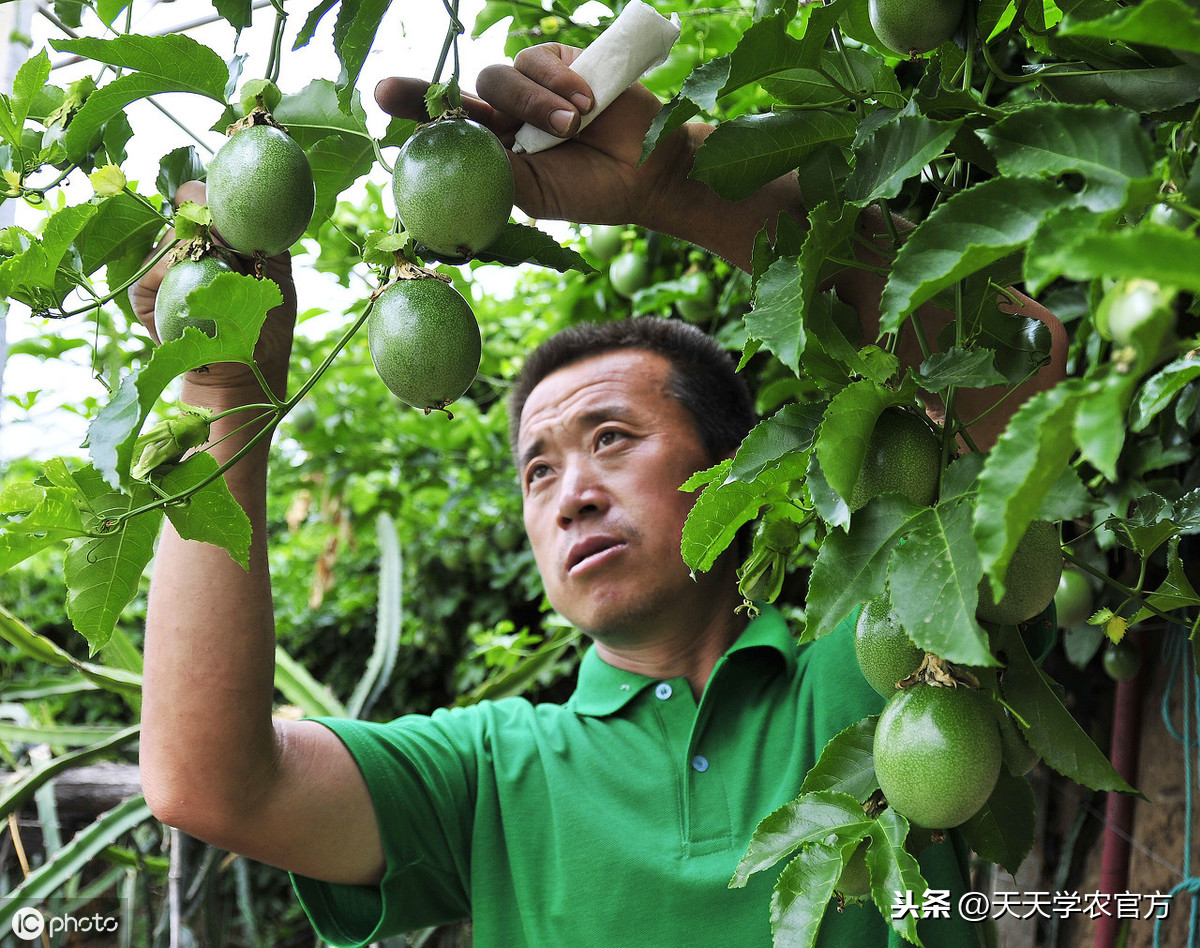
(602,449)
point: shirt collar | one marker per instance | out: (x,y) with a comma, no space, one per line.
(603,690)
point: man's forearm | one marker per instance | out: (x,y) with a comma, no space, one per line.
(209,651)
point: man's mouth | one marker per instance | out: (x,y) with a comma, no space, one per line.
(591,550)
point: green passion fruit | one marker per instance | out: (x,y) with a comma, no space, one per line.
(912,27)
(884,651)
(1073,600)
(629,272)
(260,191)
(453,187)
(1030,581)
(937,754)
(903,455)
(424,342)
(171,312)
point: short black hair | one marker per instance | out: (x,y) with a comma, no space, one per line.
(704,376)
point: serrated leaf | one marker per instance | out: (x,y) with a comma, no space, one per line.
(1100,419)
(897,151)
(1175,592)
(964,368)
(31,78)
(103,573)
(846,429)
(1169,23)
(1144,90)
(314,113)
(1106,145)
(1050,729)
(237,13)
(311,22)
(171,63)
(971,230)
(934,581)
(353,34)
(337,162)
(810,818)
(802,891)
(177,167)
(1158,253)
(847,763)
(725,506)
(238,305)
(122,226)
(1159,390)
(894,871)
(210,515)
(1002,831)
(789,431)
(745,153)
(851,568)
(1026,461)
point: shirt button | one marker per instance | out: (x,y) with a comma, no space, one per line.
(663,691)
(699,764)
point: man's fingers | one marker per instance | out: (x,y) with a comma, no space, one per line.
(193,191)
(405,98)
(539,89)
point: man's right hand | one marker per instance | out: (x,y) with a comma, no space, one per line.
(275,341)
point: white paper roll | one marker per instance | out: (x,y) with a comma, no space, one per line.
(638,40)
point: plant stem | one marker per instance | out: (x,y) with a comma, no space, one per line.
(146,268)
(273,61)
(1130,594)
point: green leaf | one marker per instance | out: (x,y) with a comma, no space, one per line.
(1024,464)
(210,515)
(1169,23)
(934,581)
(311,22)
(171,63)
(1100,418)
(121,681)
(337,162)
(1003,830)
(300,688)
(238,305)
(894,871)
(122,227)
(523,243)
(1106,145)
(723,507)
(353,34)
(390,614)
(1176,591)
(31,78)
(810,818)
(236,12)
(745,153)
(846,429)
(789,431)
(103,573)
(1050,728)
(895,152)
(802,891)
(971,230)
(1144,90)
(851,568)
(314,113)
(1158,253)
(1160,389)
(847,763)
(177,167)
(963,368)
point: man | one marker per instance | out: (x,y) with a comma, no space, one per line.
(618,818)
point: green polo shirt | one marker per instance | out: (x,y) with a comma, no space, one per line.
(614,820)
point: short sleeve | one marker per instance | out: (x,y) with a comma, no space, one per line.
(421,773)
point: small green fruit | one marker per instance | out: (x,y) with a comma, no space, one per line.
(260,191)
(424,342)
(903,455)
(605,240)
(171,313)
(884,651)
(453,187)
(1073,600)
(1121,660)
(701,304)
(913,27)
(628,273)
(1030,581)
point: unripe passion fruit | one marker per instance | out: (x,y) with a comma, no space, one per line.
(171,315)
(424,341)
(912,27)
(902,455)
(884,651)
(453,187)
(937,754)
(629,272)
(605,240)
(1073,600)
(1030,581)
(260,191)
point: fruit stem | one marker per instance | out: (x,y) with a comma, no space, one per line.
(274,60)
(450,42)
(146,268)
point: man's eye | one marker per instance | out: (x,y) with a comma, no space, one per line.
(607,437)
(535,472)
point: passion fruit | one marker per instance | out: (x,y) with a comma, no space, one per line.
(260,191)
(903,455)
(884,651)
(453,187)
(912,27)
(1030,581)
(171,312)
(424,342)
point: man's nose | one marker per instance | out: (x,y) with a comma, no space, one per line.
(581,491)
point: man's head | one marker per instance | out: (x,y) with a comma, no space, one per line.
(608,422)
(703,379)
